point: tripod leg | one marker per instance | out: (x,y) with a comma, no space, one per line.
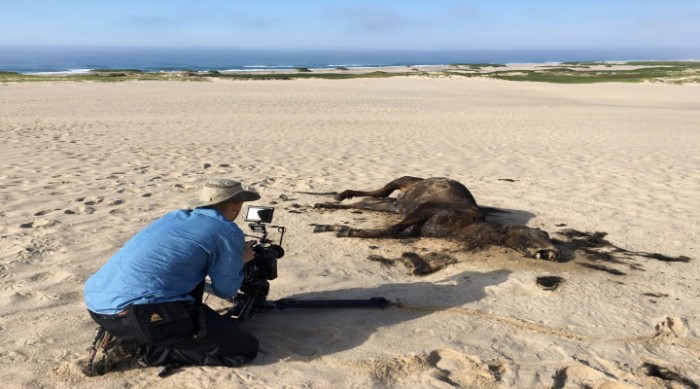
(374,302)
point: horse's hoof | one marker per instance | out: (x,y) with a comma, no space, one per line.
(548,255)
(343,232)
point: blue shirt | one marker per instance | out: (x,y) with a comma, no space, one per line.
(168,259)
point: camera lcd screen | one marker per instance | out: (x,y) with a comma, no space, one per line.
(259,214)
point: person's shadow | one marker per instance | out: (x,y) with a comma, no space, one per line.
(310,333)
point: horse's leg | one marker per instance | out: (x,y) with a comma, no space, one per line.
(379,205)
(414,218)
(398,184)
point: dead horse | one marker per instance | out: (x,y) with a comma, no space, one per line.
(440,207)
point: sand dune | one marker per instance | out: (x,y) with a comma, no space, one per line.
(83,166)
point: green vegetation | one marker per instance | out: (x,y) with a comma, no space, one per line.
(692,64)
(572,73)
(670,72)
(98,77)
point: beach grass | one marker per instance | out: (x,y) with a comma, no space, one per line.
(128,75)
(647,71)
(101,76)
(564,73)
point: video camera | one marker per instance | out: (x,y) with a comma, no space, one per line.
(262,268)
(264,265)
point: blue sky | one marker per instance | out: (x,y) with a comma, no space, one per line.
(354,24)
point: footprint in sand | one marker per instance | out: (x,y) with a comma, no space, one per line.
(462,370)
(42,213)
(40,276)
(15,356)
(39,246)
(86,209)
(69,373)
(672,326)
(114,202)
(94,201)
(45,223)
(46,296)
(15,285)
(391,370)
(21,295)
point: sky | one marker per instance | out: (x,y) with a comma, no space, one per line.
(352,24)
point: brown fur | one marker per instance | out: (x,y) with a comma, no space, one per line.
(440,207)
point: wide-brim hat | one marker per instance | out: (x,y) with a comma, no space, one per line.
(219,190)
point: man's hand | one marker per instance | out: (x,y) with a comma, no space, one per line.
(248,253)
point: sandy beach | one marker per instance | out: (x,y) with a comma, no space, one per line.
(84,166)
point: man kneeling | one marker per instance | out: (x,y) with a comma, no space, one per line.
(149,294)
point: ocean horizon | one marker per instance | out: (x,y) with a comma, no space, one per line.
(60,60)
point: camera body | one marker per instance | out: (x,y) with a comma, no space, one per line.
(264,265)
(262,268)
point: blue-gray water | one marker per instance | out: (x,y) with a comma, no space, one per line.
(31,60)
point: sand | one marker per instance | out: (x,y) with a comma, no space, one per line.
(83,166)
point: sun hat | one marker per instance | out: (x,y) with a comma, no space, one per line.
(219,190)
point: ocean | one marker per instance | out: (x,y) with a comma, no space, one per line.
(48,60)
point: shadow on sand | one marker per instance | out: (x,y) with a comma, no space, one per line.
(311,333)
(508,217)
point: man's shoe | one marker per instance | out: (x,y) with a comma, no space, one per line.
(111,354)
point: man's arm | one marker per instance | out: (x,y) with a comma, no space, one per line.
(226,265)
